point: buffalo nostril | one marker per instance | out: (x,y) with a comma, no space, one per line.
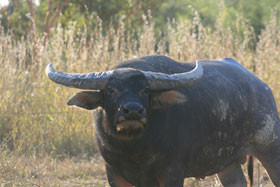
(125,110)
(141,110)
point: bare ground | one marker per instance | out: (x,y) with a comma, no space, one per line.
(18,170)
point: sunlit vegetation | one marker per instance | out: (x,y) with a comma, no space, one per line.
(43,141)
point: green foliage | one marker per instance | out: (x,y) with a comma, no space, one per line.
(227,12)
(15,19)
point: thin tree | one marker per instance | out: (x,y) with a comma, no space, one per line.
(52,16)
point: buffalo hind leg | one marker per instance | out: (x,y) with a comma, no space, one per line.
(267,149)
(232,176)
(270,159)
(115,180)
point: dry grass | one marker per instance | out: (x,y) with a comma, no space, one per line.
(41,135)
(21,170)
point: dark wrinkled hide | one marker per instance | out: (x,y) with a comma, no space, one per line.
(225,116)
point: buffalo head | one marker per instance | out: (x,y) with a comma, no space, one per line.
(126,95)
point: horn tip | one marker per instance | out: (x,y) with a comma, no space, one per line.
(199,66)
(49,69)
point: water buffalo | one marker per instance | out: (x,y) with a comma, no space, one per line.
(158,121)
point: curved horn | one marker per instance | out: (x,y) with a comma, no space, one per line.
(94,81)
(161,81)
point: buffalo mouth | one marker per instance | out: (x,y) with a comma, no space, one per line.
(130,128)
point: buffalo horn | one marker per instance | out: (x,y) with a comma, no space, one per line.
(91,81)
(161,81)
(98,80)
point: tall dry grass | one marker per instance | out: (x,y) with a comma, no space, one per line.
(34,118)
(37,129)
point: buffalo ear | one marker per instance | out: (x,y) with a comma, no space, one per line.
(167,98)
(87,99)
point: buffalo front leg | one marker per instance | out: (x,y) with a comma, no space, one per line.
(172,176)
(115,180)
(233,176)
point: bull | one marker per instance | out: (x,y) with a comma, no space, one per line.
(158,121)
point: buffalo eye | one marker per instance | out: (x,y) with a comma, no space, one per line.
(111,91)
(145,91)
